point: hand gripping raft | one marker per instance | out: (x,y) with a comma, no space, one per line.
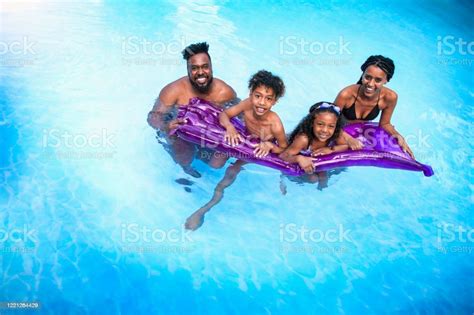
(201,126)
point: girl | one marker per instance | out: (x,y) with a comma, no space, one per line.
(319,132)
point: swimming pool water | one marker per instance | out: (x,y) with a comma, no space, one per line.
(91,216)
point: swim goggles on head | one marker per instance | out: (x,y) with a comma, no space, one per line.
(330,106)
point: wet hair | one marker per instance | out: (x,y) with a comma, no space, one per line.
(384,63)
(267,79)
(195,49)
(305,126)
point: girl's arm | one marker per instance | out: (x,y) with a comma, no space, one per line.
(341,145)
(163,105)
(291,154)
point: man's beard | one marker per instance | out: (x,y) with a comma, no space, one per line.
(201,89)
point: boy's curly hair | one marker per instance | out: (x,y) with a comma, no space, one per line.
(266,78)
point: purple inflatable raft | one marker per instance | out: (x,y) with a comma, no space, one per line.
(202,127)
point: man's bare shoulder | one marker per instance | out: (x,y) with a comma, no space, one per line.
(224,92)
(170,94)
(174,86)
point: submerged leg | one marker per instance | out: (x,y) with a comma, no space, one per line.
(282,184)
(322,180)
(183,154)
(218,159)
(197,218)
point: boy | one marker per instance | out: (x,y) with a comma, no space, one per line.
(260,121)
(265,90)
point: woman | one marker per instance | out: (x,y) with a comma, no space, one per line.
(363,101)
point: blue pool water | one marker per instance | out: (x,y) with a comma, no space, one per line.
(91,216)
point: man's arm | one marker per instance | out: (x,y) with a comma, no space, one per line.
(163,105)
(226,94)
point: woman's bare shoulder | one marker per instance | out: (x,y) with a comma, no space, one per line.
(348,93)
(390,97)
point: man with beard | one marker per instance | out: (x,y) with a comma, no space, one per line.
(199,83)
